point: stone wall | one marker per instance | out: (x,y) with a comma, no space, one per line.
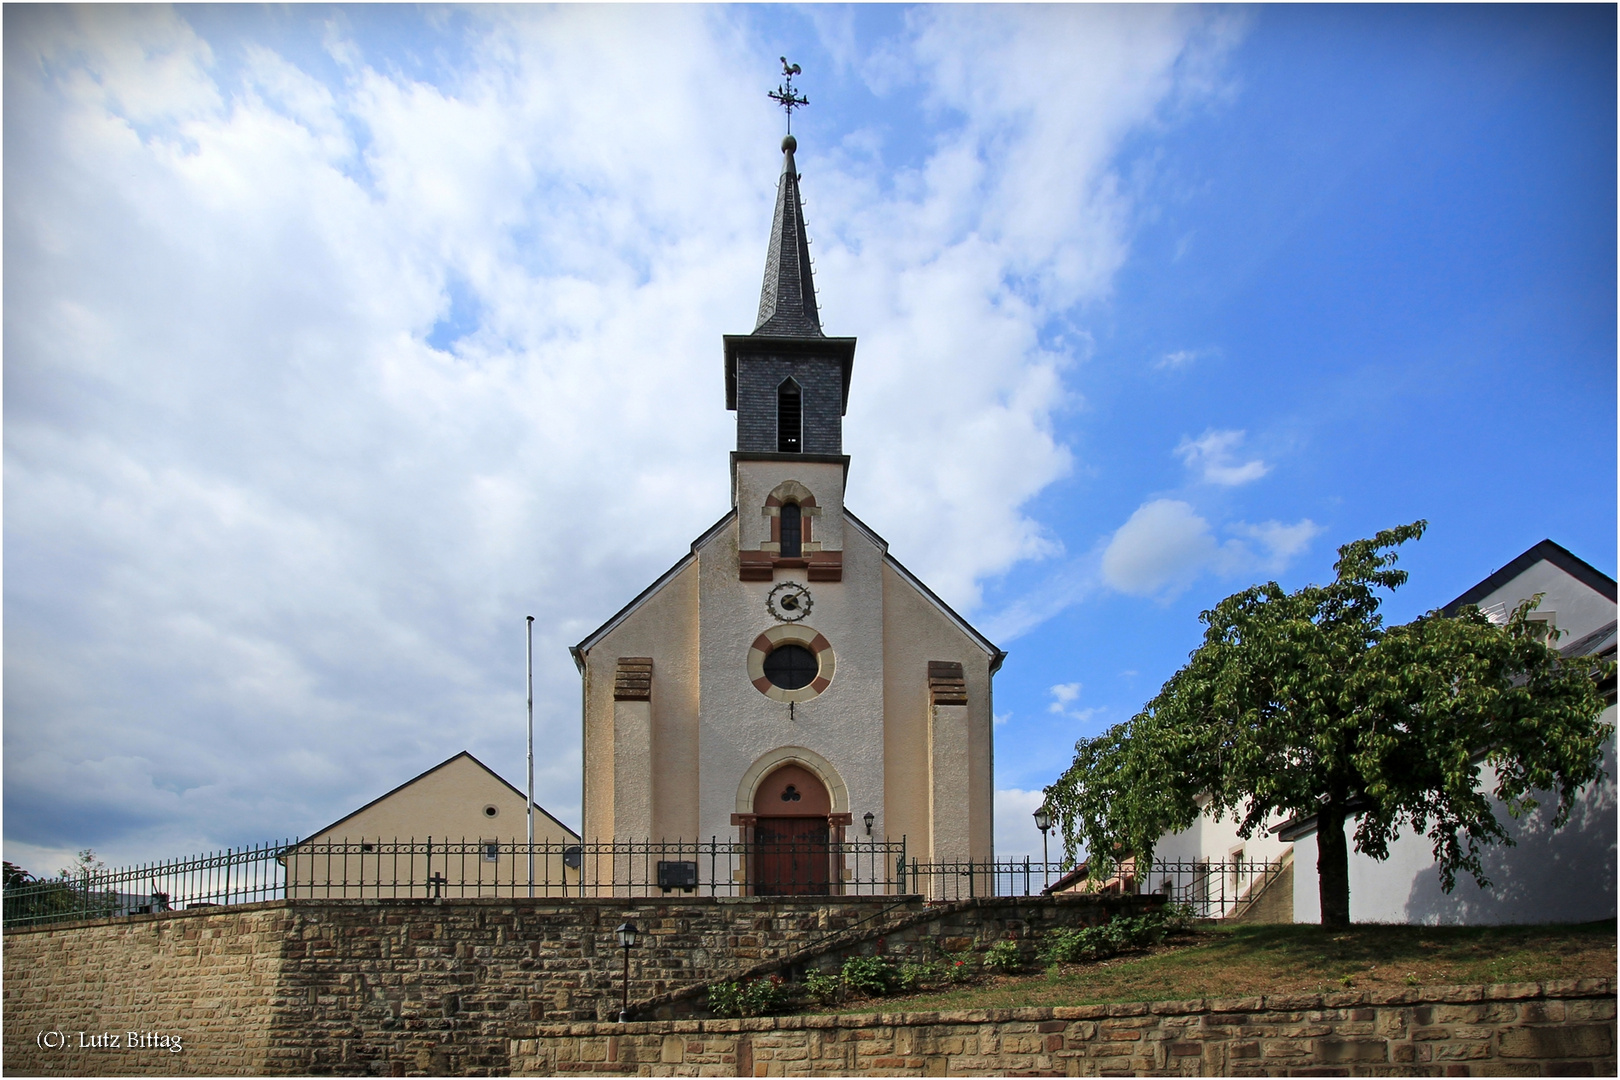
(922,933)
(380,986)
(1528,1029)
(204,978)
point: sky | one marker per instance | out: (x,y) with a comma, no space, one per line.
(339,339)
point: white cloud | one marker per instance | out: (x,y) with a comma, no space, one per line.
(1016,834)
(1279,542)
(1062,694)
(1166,544)
(1066,694)
(1212,455)
(269,551)
(1174,361)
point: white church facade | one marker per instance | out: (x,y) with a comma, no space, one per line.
(788,684)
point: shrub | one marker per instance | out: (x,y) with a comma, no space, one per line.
(870,975)
(823,987)
(1004,957)
(1119,934)
(756,997)
(913,976)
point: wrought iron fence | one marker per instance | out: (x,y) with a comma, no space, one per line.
(457,869)
(1210,889)
(232,876)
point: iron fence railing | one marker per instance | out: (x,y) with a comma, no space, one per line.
(232,876)
(458,869)
(1208,888)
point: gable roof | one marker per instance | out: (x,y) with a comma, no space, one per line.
(1557,554)
(996,655)
(589,642)
(443,764)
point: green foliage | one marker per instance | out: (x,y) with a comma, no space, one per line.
(870,975)
(1304,703)
(68,896)
(1119,934)
(1004,957)
(823,988)
(756,997)
(913,976)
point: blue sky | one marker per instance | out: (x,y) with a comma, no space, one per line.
(338,339)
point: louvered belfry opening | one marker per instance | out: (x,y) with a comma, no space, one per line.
(789,418)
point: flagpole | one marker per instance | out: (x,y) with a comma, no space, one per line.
(529,809)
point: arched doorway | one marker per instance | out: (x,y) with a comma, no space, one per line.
(792,841)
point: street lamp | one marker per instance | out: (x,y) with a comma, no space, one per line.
(1043,822)
(627,940)
(869,817)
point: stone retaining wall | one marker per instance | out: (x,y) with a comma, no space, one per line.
(1527,1029)
(434,987)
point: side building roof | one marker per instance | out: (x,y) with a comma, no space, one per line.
(423,775)
(1560,556)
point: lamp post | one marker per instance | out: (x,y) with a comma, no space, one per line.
(1043,822)
(627,940)
(869,817)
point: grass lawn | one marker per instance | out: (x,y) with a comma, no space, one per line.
(1242,961)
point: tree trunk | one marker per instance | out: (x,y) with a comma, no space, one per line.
(1332,867)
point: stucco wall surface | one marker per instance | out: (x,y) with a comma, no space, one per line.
(665,628)
(738,724)
(915,632)
(1526,1029)
(1563,875)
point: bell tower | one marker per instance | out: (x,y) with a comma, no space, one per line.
(788,383)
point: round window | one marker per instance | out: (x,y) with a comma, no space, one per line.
(790,662)
(791,667)
(491,810)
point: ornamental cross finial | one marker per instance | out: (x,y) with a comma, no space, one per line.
(784,96)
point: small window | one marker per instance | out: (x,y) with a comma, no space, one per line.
(791,667)
(789,418)
(492,851)
(792,531)
(491,810)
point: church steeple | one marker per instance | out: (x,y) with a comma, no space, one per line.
(787,300)
(788,381)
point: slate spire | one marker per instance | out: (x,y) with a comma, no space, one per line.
(787,301)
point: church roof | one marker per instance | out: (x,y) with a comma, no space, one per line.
(787,300)
(996,655)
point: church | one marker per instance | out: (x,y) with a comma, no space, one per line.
(788,681)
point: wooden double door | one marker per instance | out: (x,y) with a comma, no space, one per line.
(792,835)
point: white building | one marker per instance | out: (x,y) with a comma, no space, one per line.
(788,676)
(1567,875)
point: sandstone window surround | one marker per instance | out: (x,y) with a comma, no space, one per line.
(775,554)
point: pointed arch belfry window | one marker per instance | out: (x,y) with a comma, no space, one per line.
(789,418)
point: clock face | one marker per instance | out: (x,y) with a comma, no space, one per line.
(789,602)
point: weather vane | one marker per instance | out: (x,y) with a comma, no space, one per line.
(784,96)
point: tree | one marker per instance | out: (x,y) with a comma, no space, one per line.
(1305,704)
